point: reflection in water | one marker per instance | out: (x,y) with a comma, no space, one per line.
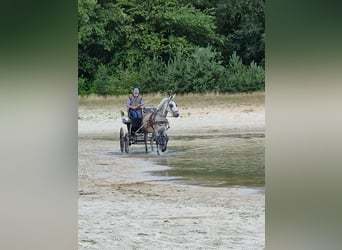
(229,160)
(211,160)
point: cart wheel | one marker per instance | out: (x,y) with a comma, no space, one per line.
(122,140)
(126,143)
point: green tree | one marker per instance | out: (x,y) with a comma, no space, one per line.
(242,23)
(199,72)
(164,45)
(239,77)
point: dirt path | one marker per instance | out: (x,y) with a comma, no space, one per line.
(120,209)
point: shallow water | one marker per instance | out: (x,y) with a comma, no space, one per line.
(212,160)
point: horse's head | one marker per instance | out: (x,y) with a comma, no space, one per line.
(173,106)
(162,139)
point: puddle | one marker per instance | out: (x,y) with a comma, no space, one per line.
(217,160)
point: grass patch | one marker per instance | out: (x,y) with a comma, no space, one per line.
(186,100)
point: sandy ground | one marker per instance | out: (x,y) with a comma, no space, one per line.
(120,208)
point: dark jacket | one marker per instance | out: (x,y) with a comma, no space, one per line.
(134,101)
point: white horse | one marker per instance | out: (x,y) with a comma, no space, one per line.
(157,124)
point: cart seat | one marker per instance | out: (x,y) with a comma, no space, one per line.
(126,121)
(149,110)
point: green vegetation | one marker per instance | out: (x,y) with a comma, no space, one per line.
(191,46)
(254,101)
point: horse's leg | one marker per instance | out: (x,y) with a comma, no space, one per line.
(157,143)
(151,142)
(167,140)
(145,140)
(158,149)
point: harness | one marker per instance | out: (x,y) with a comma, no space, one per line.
(151,121)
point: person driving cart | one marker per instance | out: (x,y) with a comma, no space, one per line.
(135,104)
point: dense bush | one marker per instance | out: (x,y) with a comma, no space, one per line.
(83,86)
(241,78)
(198,72)
(201,71)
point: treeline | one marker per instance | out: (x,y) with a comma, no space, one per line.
(168,46)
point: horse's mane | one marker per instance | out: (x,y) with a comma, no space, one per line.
(160,105)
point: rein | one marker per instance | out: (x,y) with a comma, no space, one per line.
(152,121)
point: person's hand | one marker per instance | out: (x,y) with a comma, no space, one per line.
(133,107)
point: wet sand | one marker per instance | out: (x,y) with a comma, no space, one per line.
(120,208)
